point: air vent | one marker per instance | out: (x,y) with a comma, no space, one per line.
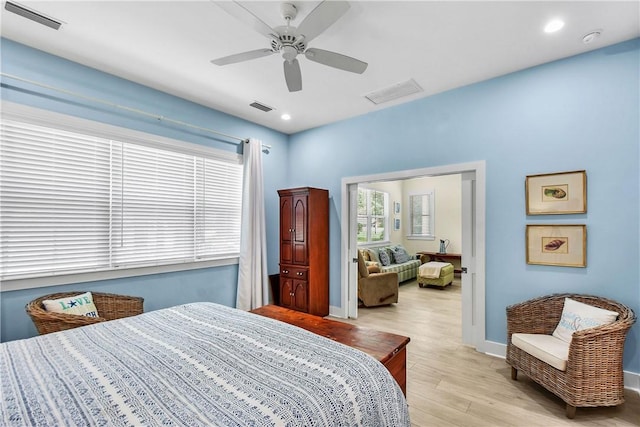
(395,91)
(32,15)
(259,106)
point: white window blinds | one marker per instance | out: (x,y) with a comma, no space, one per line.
(422,215)
(73,203)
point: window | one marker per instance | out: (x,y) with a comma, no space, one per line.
(72,202)
(422,215)
(372,215)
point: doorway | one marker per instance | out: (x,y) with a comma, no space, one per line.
(473,237)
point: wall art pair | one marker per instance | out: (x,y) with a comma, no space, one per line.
(557,194)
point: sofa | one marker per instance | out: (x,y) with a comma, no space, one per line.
(391,259)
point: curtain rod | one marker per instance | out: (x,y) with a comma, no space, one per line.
(129,109)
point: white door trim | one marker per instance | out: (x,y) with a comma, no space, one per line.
(475,328)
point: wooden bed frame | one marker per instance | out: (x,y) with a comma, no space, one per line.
(389,349)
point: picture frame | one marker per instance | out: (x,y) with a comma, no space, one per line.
(556,193)
(396,208)
(396,224)
(563,245)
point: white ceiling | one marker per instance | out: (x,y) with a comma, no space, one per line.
(442,45)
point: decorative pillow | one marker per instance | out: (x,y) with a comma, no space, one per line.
(365,254)
(81,305)
(385,259)
(577,316)
(400,254)
(373,254)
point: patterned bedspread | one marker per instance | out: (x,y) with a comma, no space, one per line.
(198,364)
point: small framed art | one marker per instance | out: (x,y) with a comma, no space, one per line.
(396,208)
(557,244)
(556,193)
(396,224)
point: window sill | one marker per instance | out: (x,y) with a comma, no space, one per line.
(374,244)
(65,279)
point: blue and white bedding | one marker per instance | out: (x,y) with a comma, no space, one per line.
(198,364)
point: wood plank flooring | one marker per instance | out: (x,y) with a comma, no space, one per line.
(449,384)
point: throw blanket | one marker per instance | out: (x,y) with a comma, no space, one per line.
(197,364)
(431,270)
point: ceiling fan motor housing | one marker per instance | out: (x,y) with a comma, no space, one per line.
(287,39)
(288,11)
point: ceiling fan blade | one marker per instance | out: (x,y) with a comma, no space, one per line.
(336,60)
(243,14)
(292,75)
(321,18)
(244,56)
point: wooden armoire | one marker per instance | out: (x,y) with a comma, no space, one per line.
(304,250)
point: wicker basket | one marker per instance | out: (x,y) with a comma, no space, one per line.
(110,307)
(594,374)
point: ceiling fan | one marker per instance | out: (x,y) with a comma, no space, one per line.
(291,41)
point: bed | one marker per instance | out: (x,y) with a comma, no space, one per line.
(199,364)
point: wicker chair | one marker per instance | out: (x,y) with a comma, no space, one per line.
(110,307)
(594,374)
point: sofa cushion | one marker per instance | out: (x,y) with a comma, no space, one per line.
(577,316)
(373,254)
(385,259)
(400,254)
(547,348)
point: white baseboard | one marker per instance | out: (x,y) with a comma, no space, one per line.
(631,379)
(336,312)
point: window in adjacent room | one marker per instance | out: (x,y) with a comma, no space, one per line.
(422,215)
(373,218)
(73,201)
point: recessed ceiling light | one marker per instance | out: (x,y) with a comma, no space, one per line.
(285,116)
(554,26)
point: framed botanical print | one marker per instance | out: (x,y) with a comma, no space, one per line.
(557,244)
(556,193)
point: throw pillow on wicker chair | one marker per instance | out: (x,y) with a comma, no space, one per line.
(577,316)
(81,305)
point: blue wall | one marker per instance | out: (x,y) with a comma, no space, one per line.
(161,290)
(574,114)
(578,113)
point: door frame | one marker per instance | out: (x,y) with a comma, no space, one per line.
(473,299)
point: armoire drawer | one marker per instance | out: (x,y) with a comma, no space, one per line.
(294,272)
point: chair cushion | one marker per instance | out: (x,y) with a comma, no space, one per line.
(577,316)
(547,348)
(373,268)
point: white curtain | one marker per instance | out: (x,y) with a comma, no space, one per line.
(253,283)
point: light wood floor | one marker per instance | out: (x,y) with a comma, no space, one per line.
(449,384)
